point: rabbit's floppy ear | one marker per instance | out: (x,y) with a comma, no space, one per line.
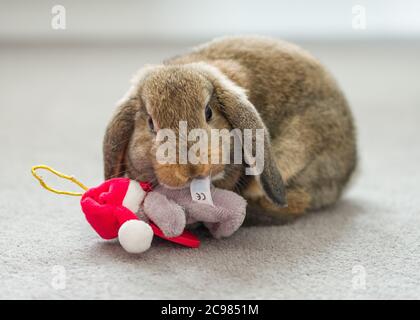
(242,114)
(117,137)
(121,127)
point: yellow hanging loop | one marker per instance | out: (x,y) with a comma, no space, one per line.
(61,175)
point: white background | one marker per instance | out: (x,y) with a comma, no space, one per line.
(166,20)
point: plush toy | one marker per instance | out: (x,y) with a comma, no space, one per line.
(172,209)
(133,212)
(110,209)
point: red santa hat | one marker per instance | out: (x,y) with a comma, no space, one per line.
(111,210)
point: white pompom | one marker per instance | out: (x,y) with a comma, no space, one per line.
(135,236)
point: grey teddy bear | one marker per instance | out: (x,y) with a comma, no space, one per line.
(172,209)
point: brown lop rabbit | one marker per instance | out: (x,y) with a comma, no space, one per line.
(241,82)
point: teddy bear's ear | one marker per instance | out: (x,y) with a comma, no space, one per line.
(117,137)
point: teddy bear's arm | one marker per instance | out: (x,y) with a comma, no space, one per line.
(165,213)
(225,217)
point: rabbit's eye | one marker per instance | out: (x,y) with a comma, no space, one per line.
(209,113)
(150,124)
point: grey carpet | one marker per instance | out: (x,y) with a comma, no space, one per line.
(54,104)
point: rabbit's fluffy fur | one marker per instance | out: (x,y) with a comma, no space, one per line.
(249,82)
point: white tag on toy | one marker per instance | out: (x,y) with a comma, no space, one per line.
(200,191)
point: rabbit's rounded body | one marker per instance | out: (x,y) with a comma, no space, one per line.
(311,148)
(306,115)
